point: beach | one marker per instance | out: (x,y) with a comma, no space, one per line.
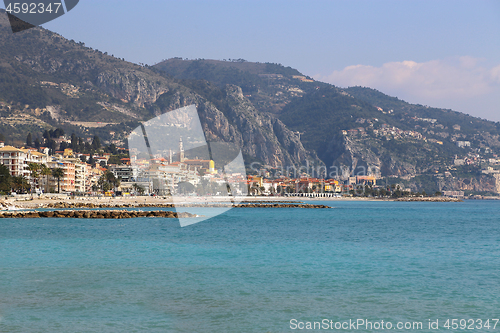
(52,201)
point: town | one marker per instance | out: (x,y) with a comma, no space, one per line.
(76,166)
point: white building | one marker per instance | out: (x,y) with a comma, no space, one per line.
(82,173)
(17,160)
(125,172)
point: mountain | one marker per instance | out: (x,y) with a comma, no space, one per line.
(268,86)
(47,81)
(360,130)
(279,117)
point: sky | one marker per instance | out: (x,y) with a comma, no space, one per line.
(439,53)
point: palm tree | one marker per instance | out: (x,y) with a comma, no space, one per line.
(34,169)
(108,181)
(138,188)
(58,173)
(21,184)
(112,180)
(45,171)
(5,179)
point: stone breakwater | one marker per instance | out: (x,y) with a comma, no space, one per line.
(59,205)
(430,199)
(94,214)
(69,210)
(66,205)
(274,205)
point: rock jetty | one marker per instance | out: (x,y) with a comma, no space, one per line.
(279,205)
(430,199)
(94,214)
(62,205)
(66,205)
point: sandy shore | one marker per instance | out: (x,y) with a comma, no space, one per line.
(28,202)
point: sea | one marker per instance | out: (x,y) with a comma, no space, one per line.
(358,267)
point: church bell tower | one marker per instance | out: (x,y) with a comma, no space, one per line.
(181,151)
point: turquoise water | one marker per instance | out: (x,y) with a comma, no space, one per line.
(253,270)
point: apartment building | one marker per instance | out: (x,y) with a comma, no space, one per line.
(124,172)
(82,174)
(17,160)
(67,181)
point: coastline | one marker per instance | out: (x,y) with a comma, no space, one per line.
(66,202)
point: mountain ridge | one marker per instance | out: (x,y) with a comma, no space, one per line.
(359,128)
(278,116)
(72,86)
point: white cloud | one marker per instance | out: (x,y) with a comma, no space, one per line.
(441,83)
(495,74)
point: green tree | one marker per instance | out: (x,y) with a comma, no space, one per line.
(58,132)
(112,180)
(108,181)
(52,145)
(112,149)
(115,159)
(5,179)
(104,185)
(74,142)
(201,188)
(34,169)
(96,143)
(138,188)
(58,173)
(21,184)
(29,140)
(81,146)
(368,191)
(185,188)
(45,171)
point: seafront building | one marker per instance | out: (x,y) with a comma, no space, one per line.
(67,181)
(162,176)
(125,172)
(76,176)
(75,172)
(17,160)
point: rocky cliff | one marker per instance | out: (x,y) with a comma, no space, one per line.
(73,86)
